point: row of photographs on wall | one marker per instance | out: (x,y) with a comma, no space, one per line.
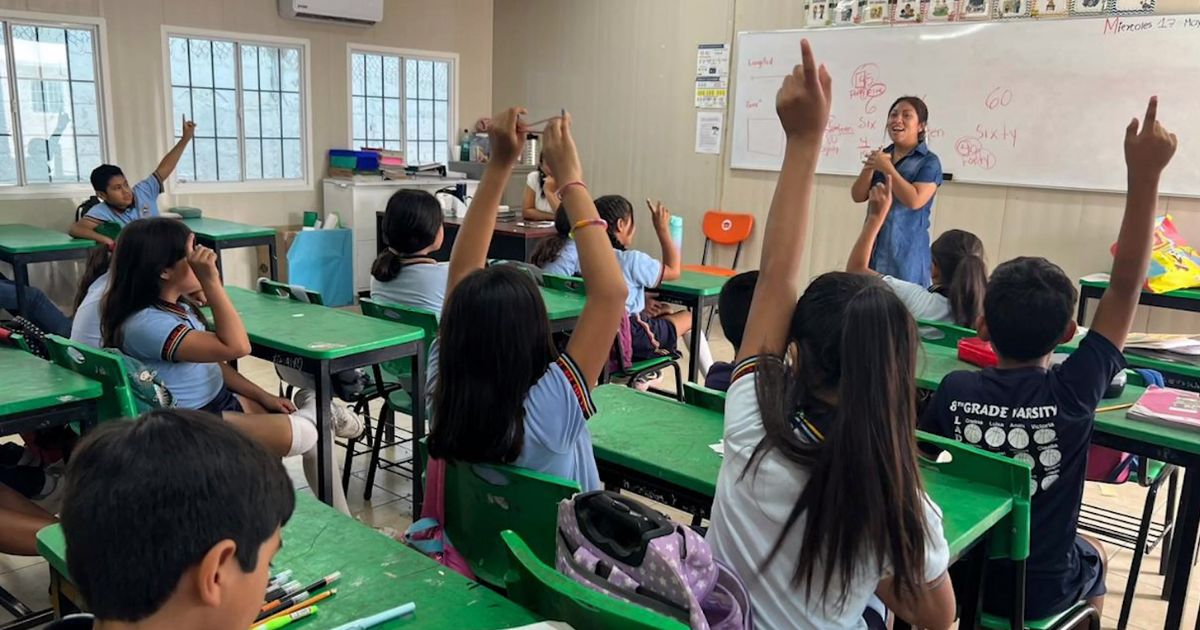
(822,13)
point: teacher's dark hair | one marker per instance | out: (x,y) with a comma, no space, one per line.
(922,112)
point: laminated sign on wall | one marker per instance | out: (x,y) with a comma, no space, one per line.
(712,75)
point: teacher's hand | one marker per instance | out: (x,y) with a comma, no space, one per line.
(879,200)
(880,161)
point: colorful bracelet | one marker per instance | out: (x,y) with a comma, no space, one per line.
(586,222)
(562,190)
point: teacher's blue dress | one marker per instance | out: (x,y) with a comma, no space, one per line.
(902,248)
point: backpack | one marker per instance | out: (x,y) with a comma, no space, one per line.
(426,534)
(87,204)
(621,355)
(615,545)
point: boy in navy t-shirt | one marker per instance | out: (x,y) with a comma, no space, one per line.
(1044,416)
(123,204)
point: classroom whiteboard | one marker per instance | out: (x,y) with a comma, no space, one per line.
(1028,103)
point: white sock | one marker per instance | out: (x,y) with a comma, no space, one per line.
(310,473)
(304,435)
(704,357)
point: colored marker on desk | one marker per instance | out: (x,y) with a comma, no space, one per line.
(304,604)
(278,605)
(281,578)
(280,622)
(375,620)
(323,582)
(282,591)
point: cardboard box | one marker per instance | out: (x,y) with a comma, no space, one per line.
(284,235)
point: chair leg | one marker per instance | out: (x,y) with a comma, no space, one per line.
(387,417)
(1169,521)
(678,381)
(1139,551)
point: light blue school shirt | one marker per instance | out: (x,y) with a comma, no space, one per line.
(418,285)
(557,407)
(902,247)
(642,271)
(145,204)
(85,328)
(567,263)
(153,335)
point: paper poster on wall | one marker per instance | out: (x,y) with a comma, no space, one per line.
(1051,8)
(876,12)
(818,13)
(708,97)
(1089,7)
(845,13)
(712,75)
(907,12)
(977,9)
(1014,8)
(1127,7)
(709,127)
(940,11)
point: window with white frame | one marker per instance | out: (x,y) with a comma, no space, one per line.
(247,99)
(50,72)
(402,102)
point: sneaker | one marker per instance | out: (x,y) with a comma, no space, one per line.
(346,423)
(50,499)
(648,380)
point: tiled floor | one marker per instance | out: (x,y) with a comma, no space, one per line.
(390,510)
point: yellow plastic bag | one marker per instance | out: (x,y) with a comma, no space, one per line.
(1174,264)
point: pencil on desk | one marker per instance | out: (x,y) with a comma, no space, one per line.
(309,602)
(1114,407)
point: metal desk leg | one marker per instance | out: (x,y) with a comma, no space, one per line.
(1017,617)
(21,279)
(418,428)
(324,443)
(694,347)
(969,609)
(274,260)
(1183,546)
(220,268)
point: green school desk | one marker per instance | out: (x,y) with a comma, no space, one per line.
(38,394)
(696,291)
(659,448)
(1181,300)
(378,573)
(22,244)
(1173,446)
(563,308)
(217,235)
(320,341)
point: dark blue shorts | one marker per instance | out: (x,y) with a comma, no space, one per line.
(224,401)
(651,337)
(1046,596)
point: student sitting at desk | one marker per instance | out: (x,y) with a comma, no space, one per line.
(145,313)
(557,254)
(1044,416)
(122,204)
(501,391)
(733,305)
(958,268)
(85,328)
(541,200)
(159,540)
(819,504)
(404,273)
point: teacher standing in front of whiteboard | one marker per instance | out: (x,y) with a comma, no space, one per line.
(902,249)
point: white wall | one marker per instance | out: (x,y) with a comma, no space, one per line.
(139,107)
(625,68)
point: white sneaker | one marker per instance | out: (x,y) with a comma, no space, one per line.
(50,499)
(346,423)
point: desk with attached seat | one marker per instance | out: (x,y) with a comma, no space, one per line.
(218,234)
(21,245)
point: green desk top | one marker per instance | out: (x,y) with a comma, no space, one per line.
(18,238)
(219,230)
(934,362)
(315,332)
(1191,294)
(31,384)
(695,283)
(562,305)
(670,440)
(378,573)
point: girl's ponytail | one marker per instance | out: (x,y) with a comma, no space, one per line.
(959,257)
(548,250)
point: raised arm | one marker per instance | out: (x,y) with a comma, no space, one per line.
(1147,153)
(171,159)
(229,340)
(862,184)
(880,202)
(605,306)
(802,104)
(661,218)
(507,136)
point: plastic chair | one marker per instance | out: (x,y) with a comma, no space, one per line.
(723,228)
(540,588)
(703,397)
(52,546)
(482,500)
(118,399)
(943,333)
(390,379)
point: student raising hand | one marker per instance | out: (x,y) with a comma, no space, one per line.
(507,135)
(1147,152)
(802,102)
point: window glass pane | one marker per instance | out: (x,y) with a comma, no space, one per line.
(424,80)
(249,67)
(250,114)
(226,113)
(410,78)
(269,103)
(411,154)
(178,50)
(424,120)
(268,68)
(441,87)
(224,65)
(8,155)
(290,104)
(253,158)
(202,112)
(358,112)
(391,76)
(200,55)
(87,148)
(272,159)
(80,55)
(186,170)
(391,119)
(206,159)
(229,167)
(357,68)
(375,119)
(410,121)
(289,75)
(374,81)
(291,159)
(441,123)
(84,110)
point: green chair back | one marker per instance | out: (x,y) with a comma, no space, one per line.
(550,594)
(944,334)
(52,546)
(563,283)
(111,229)
(1009,539)
(290,291)
(118,399)
(700,396)
(408,315)
(482,500)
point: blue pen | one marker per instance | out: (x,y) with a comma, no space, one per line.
(376,619)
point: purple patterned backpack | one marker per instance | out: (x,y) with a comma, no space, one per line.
(616,545)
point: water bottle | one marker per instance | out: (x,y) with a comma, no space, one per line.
(464,146)
(676,227)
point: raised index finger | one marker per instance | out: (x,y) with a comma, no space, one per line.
(1151,113)
(806,59)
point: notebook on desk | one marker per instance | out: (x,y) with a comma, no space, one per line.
(1171,407)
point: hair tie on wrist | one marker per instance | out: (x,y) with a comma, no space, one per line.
(586,223)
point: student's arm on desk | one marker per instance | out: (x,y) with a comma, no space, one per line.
(529,208)
(802,104)
(230,341)
(605,286)
(1147,153)
(86,228)
(933,608)
(507,135)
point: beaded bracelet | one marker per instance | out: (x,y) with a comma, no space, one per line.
(588,222)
